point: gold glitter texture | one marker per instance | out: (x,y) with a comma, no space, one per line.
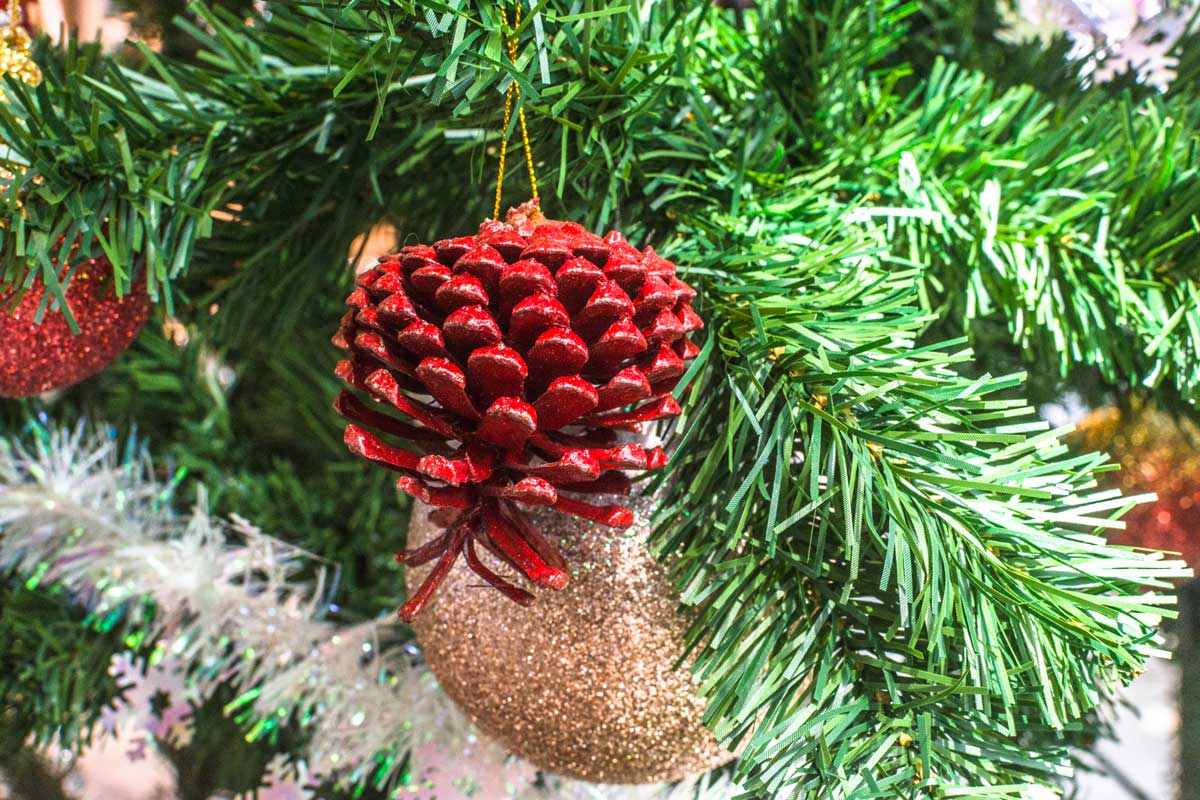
(581,682)
(16,49)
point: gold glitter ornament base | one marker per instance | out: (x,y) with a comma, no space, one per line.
(580,683)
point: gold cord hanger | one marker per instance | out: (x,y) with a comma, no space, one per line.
(511,95)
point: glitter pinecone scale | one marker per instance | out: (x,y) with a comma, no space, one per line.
(516,356)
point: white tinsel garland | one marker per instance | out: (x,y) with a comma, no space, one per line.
(80,510)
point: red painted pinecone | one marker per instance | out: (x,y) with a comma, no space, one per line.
(515,356)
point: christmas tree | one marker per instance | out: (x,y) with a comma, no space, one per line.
(881,233)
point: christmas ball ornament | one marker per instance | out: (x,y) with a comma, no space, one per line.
(515,356)
(582,683)
(1158,452)
(36,357)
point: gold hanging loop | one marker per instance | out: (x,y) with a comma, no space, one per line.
(511,96)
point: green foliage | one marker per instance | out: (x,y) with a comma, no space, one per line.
(54,666)
(325,120)
(897,571)
(328,119)
(216,756)
(899,574)
(156,20)
(881,550)
(1069,233)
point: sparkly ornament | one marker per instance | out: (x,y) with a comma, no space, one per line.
(582,684)
(1158,452)
(16,49)
(519,352)
(37,357)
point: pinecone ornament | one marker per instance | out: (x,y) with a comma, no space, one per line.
(516,356)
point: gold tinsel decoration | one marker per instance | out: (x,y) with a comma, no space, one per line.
(582,682)
(16,59)
(16,49)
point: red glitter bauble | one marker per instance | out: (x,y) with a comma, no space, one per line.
(514,356)
(37,357)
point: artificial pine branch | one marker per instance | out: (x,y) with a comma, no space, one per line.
(325,118)
(1093,191)
(897,569)
(878,546)
(1080,237)
(894,564)
(1070,220)
(54,665)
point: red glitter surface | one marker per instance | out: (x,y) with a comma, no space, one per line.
(36,358)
